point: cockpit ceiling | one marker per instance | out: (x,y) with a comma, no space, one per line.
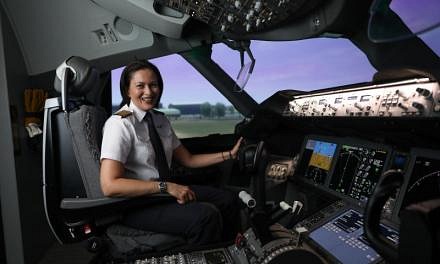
(112,32)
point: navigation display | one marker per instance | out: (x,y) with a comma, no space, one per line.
(357,171)
(424,182)
(317,159)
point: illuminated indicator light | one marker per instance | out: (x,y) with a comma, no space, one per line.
(87,229)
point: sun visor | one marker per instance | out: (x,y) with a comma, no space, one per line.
(146,14)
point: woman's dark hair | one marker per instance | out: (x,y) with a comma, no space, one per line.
(127,74)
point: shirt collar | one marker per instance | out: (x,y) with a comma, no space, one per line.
(137,112)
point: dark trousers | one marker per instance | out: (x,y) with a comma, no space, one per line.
(213,217)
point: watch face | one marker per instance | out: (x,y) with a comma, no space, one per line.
(162,187)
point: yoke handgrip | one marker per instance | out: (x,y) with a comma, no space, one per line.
(385,188)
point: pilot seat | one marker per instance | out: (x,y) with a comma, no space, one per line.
(75,206)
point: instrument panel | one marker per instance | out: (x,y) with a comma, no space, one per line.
(346,167)
(350,168)
(356,167)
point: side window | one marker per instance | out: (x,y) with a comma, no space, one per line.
(194,107)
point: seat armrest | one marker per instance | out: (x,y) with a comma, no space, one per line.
(96,203)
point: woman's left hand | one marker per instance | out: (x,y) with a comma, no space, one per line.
(234,150)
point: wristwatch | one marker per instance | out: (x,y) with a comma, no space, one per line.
(163,187)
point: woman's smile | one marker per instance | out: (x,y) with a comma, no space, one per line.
(144,90)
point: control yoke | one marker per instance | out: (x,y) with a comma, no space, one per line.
(253,160)
(385,188)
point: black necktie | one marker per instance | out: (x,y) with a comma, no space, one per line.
(161,160)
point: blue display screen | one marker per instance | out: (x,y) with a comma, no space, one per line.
(317,159)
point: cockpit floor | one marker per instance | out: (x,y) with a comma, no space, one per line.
(66,254)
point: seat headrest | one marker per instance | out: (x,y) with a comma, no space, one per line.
(83,79)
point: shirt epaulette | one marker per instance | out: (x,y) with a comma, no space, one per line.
(123,113)
(158,112)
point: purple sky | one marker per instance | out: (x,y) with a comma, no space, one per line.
(301,65)
(419,14)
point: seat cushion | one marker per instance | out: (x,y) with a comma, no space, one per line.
(131,241)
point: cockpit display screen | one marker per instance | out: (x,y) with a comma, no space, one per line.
(317,159)
(357,171)
(424,182)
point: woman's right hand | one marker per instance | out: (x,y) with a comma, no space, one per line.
(182,193)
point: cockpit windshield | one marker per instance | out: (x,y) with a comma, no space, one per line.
(398,20)
(303,65)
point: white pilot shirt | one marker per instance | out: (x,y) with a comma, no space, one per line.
(126,139)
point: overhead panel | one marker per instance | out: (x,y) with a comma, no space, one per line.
(49,31)
(237,16)
(236,19)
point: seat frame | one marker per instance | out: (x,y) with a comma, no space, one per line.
(76,209)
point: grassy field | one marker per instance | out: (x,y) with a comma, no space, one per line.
(186,128)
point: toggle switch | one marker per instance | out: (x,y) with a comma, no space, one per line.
(358,106)
(332,107)
(403,106)
(401,94)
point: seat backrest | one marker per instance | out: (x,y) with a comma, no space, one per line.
(83,121)
(86,125)
(72,135)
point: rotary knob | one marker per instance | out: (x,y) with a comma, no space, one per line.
(418,106)
(424,92)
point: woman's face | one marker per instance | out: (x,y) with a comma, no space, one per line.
(144,90)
